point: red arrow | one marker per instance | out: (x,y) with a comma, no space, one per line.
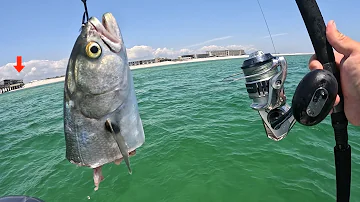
(18,66)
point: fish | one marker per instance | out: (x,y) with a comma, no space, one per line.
(102,123)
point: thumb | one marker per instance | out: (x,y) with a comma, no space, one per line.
(341,43)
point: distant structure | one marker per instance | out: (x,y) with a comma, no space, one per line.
(214,53)
(143,62)
(223,53)
(162,59)
(186,57)
(194,56)
(10,84)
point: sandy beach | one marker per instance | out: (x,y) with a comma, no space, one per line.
(55,80)
(206,59)
(42,82)
(186,61)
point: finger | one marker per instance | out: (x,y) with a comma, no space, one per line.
(341,43)
(337,100)
(338,58)
(314,63)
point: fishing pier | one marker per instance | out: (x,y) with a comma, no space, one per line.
(10,84)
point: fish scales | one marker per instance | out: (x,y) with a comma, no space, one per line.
(101,118)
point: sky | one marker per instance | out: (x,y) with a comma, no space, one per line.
(43,32)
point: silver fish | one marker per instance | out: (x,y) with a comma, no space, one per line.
(101,119)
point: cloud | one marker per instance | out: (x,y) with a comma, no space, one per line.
(140,52)
(209,41)
(41,69)
(274,35)
(34,70)
(247,48)
(170,53)
(147,52)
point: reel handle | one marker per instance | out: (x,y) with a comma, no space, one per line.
(314,97)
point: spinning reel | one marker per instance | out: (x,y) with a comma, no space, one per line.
(313,99)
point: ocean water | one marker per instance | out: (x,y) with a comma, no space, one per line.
(203,143)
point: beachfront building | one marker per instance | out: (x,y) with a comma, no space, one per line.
(162,59)
(144,62)
(141,62)
(194,56)
(186,57)
(202,55)
(223,53)
(10,84)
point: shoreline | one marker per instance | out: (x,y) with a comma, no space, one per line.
(206,59)
(186,61)
(60,79)
(42,82)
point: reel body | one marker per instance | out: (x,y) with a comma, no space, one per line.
(313,99)
(265,77)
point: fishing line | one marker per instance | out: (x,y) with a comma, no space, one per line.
(231,77)
(246,77)
(86,14)
(267,26)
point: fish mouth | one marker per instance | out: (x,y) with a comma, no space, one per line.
(108,30)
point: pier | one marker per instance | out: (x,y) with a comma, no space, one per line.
(10,84)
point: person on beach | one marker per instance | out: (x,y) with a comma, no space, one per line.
(347,58)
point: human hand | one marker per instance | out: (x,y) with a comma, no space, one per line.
(347,58)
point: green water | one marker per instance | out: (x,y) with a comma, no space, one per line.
(203,143)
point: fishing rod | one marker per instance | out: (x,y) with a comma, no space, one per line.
(313,99)
(315,25)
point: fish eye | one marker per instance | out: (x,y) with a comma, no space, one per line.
(93,50)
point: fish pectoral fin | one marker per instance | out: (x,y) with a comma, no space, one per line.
(109,126)
(115,130)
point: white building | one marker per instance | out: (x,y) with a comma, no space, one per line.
(223,53)
(141,62)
